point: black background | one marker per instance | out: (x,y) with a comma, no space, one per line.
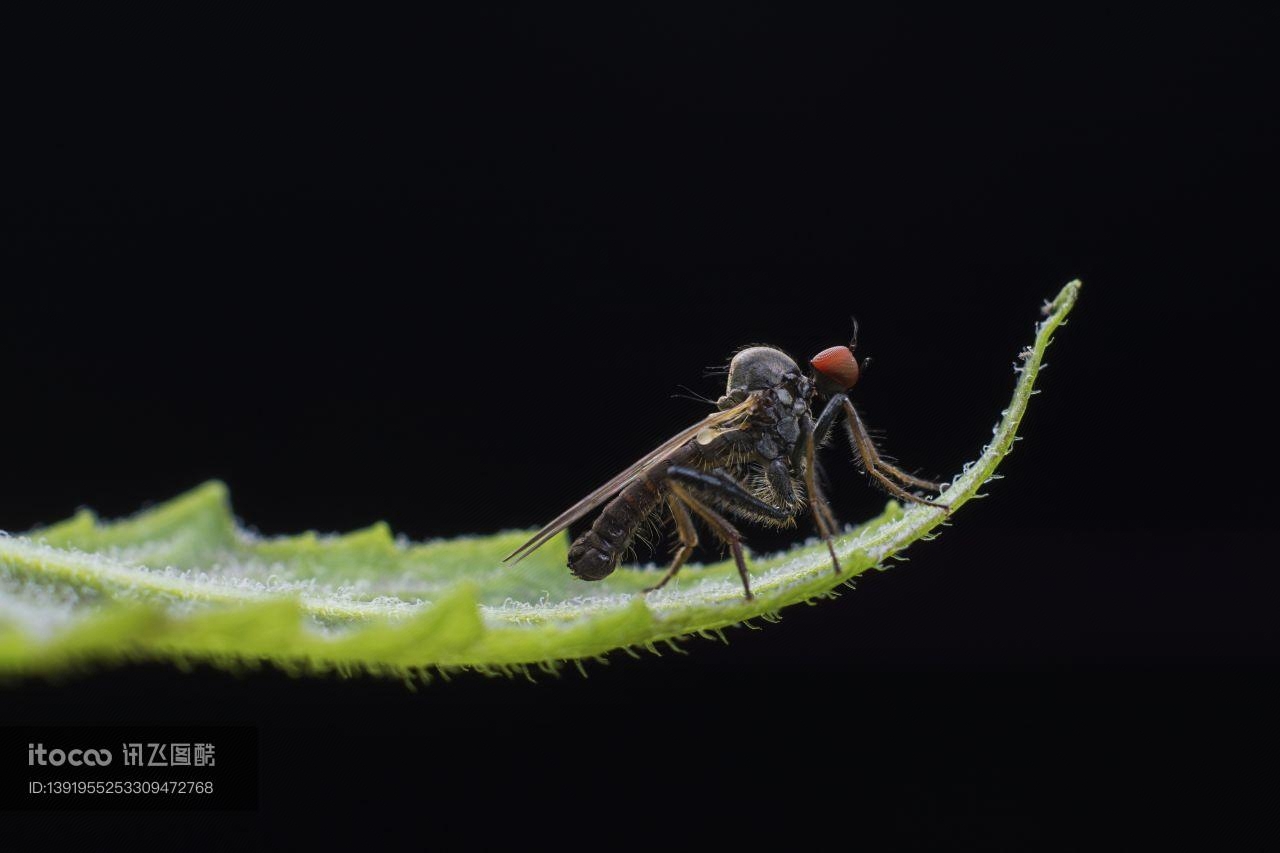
(448,272)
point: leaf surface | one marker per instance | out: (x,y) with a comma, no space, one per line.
(183,582)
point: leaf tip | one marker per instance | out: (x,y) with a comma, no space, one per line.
(1065,299)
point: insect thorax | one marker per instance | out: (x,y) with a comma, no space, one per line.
(756,369)
(784,393)
(776,421)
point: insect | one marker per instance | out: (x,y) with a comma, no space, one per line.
(753,458)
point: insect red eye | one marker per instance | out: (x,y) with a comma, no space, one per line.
(838,365)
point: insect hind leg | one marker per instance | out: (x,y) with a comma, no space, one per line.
(720,483)
(688,535)
(723,530)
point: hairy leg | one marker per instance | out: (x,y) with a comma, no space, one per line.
(687,534)
(720,527)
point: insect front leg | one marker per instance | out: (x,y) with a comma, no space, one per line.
(878,468)
(826,420)
(720,527)
(688,535)
(840,403)
(823,518)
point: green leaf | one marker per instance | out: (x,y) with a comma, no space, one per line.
(182,582)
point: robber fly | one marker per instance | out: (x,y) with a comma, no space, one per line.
(763,431)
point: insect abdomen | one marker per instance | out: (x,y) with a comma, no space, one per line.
(596,553)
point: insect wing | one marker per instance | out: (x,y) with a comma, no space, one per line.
(618,483)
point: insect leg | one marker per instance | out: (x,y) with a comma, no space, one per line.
(822,515)
(878,468)
(735,495)
(827,419)
(688,539)
(721,528)
(832,410)
(784,484)
(781,481)
(803,454)
(729,490)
